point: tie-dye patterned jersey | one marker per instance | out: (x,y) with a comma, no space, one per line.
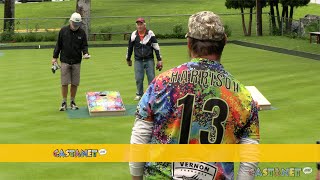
(197,103)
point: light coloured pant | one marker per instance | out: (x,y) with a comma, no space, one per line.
(70,74)
(141,67)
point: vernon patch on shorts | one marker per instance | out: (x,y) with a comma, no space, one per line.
(193,170)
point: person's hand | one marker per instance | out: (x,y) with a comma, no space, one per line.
(159,65)
(86,56)
(54,60)
(257,105)
(129,63)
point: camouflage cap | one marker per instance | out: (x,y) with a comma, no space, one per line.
(205,25)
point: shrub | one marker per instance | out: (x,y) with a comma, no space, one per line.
(170,36)
(18,37)
(7,36)
(313,27)
(227,30)
(31,37)
(276,31)
(178,29)
(105,30)
(50,36)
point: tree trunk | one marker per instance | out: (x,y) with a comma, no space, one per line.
(243,23)
(284,16)
(83,8)
(287,18)
(278,14)
(273,18)
(250,23)
(290,18)
(259,17)
(8,22)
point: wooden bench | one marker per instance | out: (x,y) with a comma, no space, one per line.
(317,34)
(108,36)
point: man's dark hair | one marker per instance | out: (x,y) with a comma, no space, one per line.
(206,47)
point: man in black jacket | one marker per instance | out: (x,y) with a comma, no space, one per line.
(143,42)
(71,44)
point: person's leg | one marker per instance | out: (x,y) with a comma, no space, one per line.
(64,92)
(149,66)
(73,92)
(75,81)
(139,76)
(65,80)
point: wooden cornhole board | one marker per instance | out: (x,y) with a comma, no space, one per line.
(105,103)
(263,103)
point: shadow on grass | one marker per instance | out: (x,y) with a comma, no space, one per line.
(83,112)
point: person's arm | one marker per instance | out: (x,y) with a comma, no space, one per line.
(142,129)
(155,46)
(85,50)
(137,177)
(130,48)
(141,134)
(318,167)
(250,136)
(57,48)
(318,174)
(247,169)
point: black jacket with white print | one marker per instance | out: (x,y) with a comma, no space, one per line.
(143,50)
(71,45)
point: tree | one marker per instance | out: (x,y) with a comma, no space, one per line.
(242,5)
(83,8)
(293,4)
(274,4)
(286,15)
(8,22)
(259,17)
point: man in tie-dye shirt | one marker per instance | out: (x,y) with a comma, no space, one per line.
(198,102)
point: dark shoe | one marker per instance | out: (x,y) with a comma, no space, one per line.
(63,106)
(73,106)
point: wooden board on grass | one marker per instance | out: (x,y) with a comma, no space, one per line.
(105,103)
(263,103)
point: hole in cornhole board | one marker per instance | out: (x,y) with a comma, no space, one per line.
(102,94)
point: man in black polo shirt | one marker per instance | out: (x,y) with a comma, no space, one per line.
(71,45)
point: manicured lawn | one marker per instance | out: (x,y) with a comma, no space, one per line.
(30,97)
(129,10)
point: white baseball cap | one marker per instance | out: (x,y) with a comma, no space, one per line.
(75,17)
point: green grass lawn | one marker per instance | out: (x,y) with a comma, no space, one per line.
(129,10)
(133,8)
(30,94)
(30,98)
(283,42)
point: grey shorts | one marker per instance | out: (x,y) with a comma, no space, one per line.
(70,74)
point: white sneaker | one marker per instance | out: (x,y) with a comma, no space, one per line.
(137,98)
(63,107)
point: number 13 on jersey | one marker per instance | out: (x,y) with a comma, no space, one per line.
(219,110)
